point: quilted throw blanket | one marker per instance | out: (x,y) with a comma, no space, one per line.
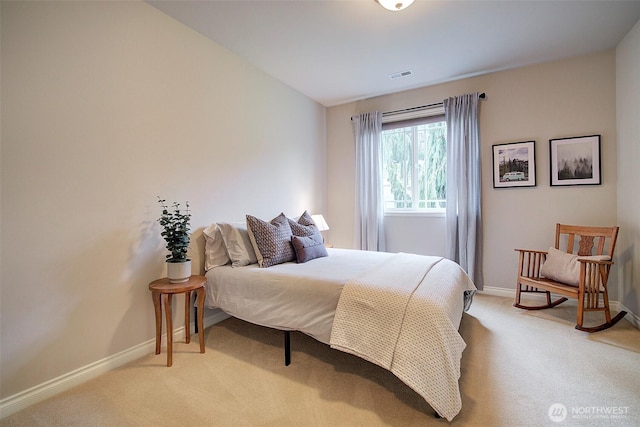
(404,316)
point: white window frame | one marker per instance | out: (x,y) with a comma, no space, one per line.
(407,115)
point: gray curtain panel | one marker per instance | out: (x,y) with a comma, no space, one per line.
(369,220)
(463,217)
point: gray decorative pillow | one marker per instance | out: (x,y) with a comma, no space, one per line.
(308,247)
(305,226)
(271,240)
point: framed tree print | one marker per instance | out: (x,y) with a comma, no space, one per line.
(575,161)
(514,164)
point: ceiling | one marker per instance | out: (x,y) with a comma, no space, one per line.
(340,51)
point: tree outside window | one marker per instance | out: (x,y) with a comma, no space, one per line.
(414,167)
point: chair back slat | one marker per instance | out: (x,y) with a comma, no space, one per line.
(603,239)
(585,246)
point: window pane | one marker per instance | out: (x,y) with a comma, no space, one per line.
(434,178)
(397,168)
(414,166)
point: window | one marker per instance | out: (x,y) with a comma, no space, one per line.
(414,156)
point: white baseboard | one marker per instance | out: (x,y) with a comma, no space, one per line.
(498,292)
(12,404)
(631,316)
(511,293)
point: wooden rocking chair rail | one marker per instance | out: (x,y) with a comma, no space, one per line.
(591,292)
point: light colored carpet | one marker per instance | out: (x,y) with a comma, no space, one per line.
(516,365)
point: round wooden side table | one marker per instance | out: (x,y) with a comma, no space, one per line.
(162,292)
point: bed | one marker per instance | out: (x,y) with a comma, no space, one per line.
(399,311)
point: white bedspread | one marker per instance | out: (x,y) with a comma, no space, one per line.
(404,316)
(289,296)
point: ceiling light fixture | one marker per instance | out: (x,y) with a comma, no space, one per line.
(395,5)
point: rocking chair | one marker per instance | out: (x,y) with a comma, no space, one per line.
(582,276)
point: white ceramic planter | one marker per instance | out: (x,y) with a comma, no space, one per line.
(179,272)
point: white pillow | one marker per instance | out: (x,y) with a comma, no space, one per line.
(215,252)
(564,267)
(236,240)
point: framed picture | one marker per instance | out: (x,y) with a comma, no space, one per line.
(514,164)
(575,161)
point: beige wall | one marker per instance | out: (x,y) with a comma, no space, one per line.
(561,99)
(628,111)
(104,106)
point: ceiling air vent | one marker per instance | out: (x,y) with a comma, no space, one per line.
(400,74)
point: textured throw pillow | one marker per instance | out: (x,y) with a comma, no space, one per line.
(304,226)
(271,240)
(236,240)
(215,253)
(561,267)
(564,267)
(308,247)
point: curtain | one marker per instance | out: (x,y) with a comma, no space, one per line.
(463,217)
(369,220)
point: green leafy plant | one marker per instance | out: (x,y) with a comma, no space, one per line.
(175,222)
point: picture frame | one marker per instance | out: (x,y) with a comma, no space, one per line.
(514,164)
(575,161)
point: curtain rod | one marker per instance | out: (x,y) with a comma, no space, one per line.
(437,104)
(408,110)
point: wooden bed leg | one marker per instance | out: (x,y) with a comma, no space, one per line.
(287,348)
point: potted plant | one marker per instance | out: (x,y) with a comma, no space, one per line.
(175,222)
